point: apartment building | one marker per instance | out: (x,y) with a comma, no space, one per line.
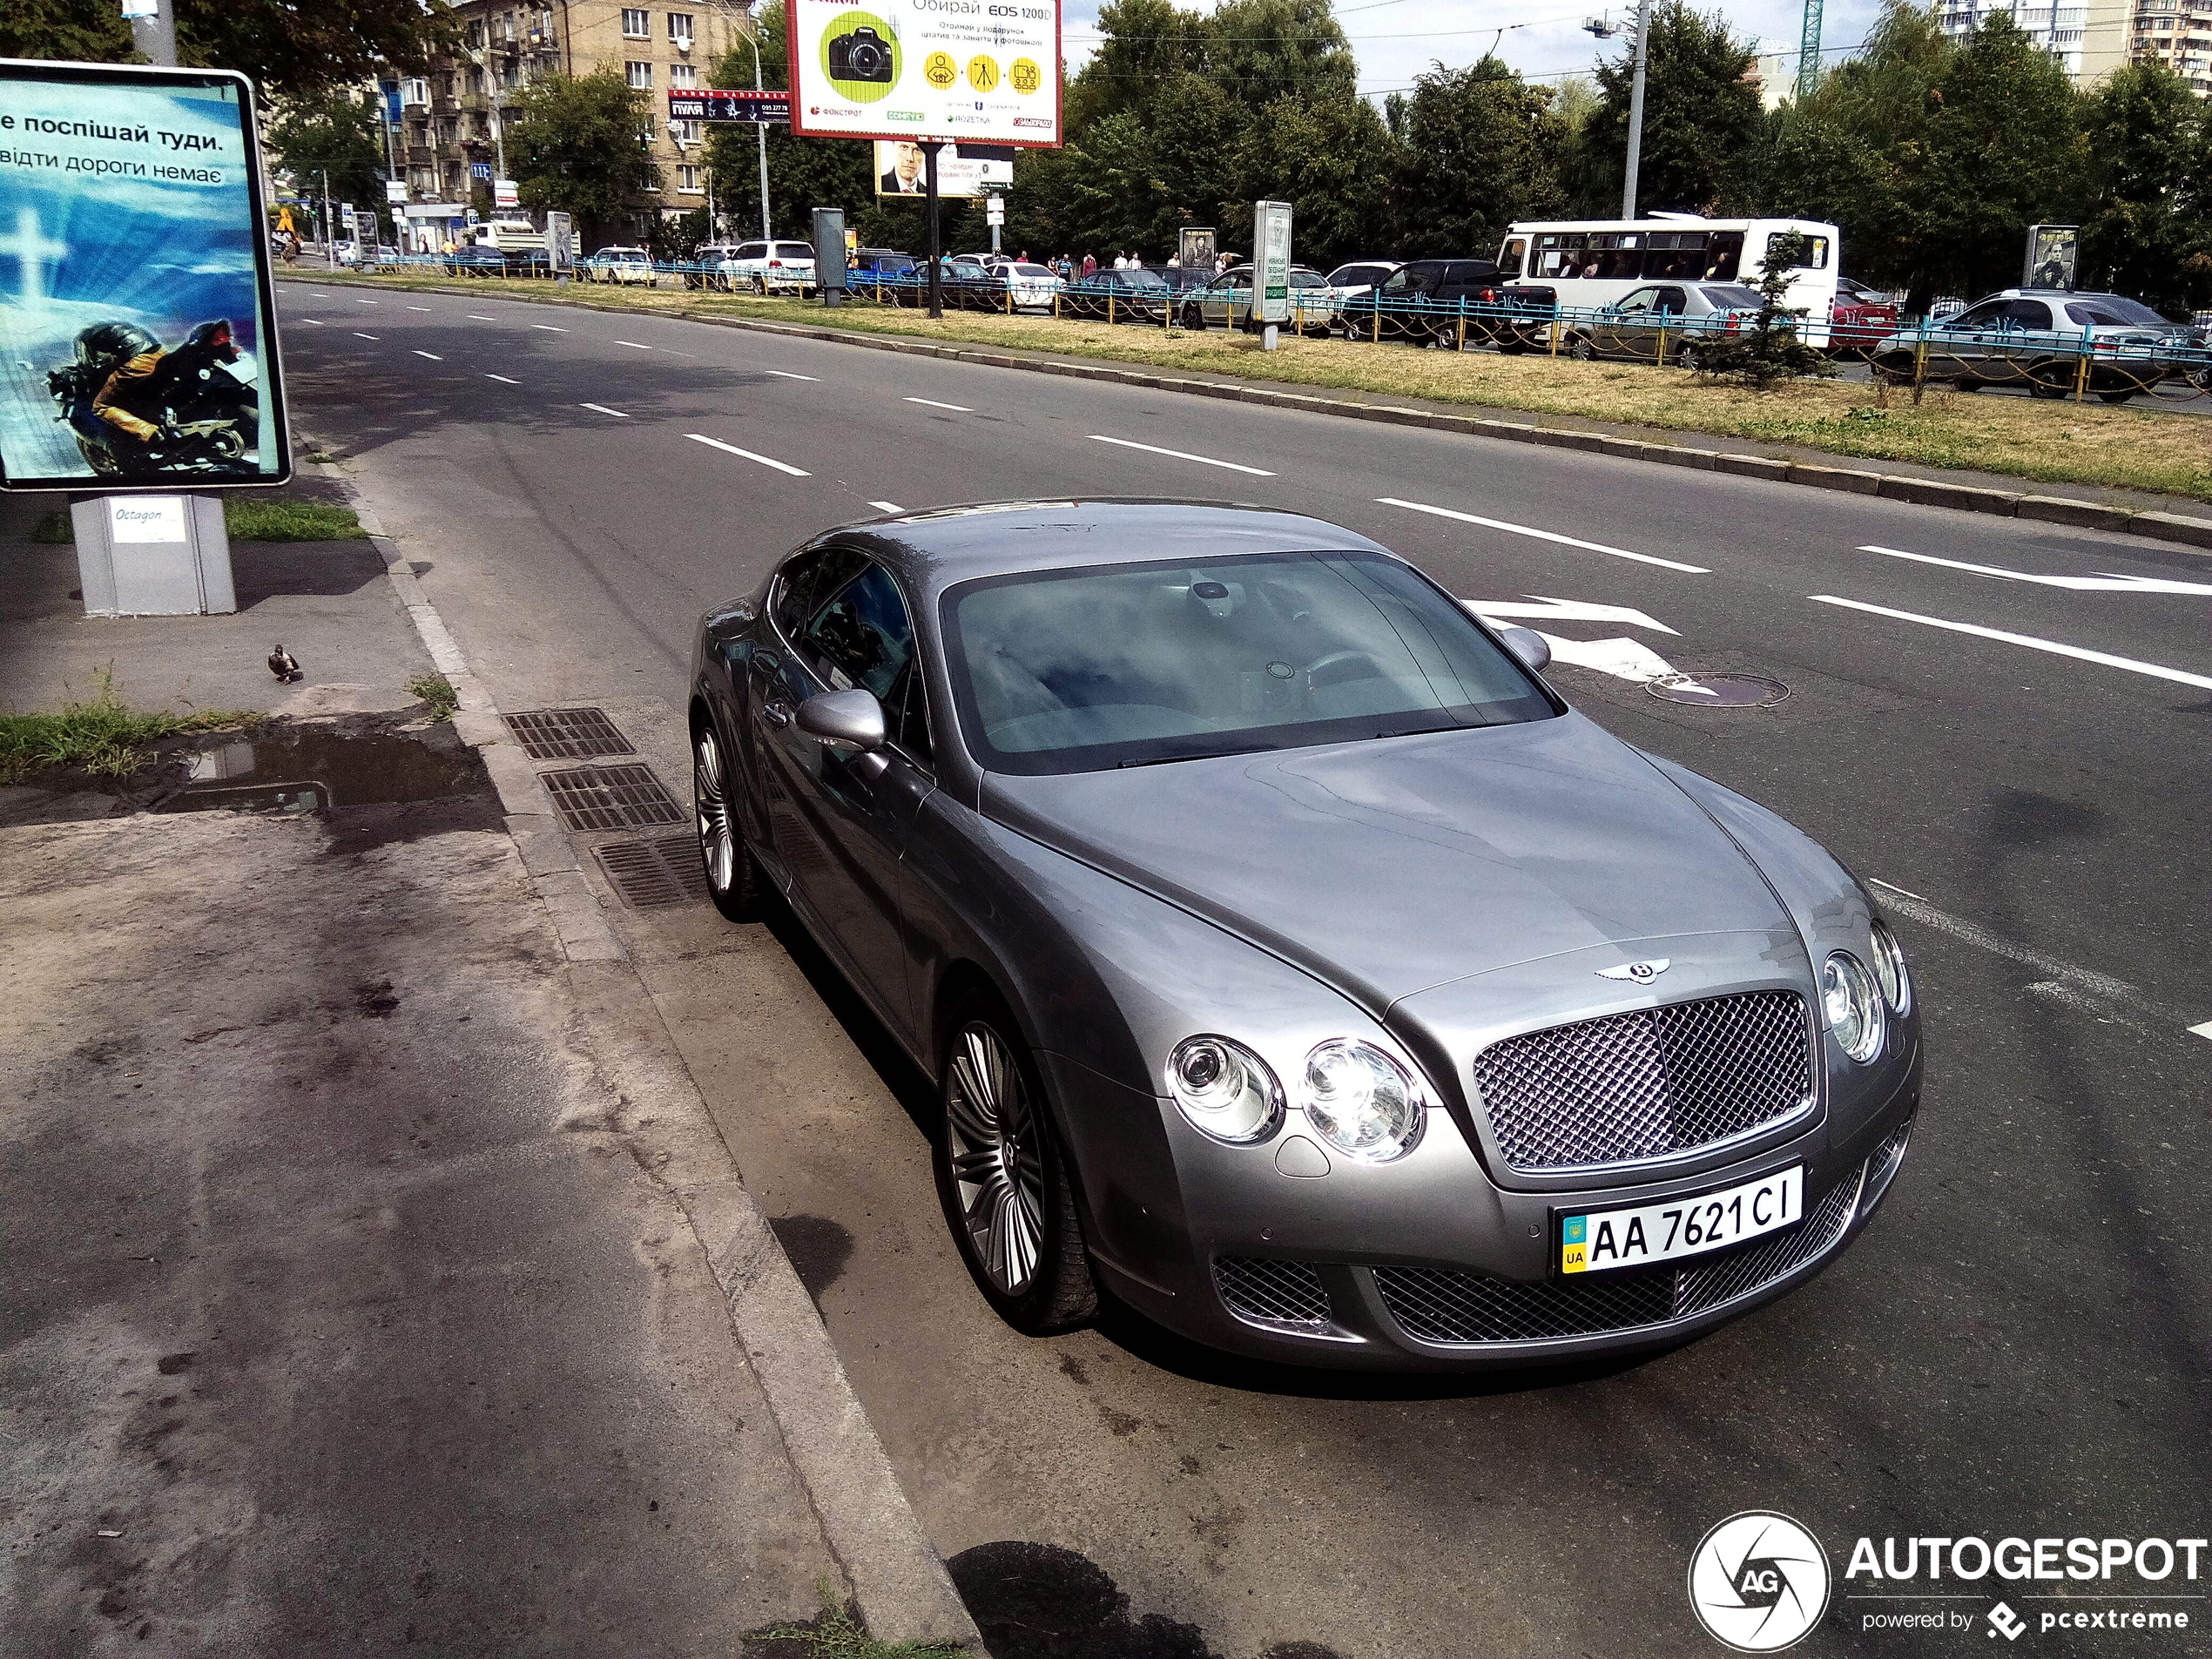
(2177,33)
(2092,38)
(451,137)
(2057,26)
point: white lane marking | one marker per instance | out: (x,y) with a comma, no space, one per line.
(549,328)
(732,448)
(1546,536)
(359,335)
(886,506)
(1183,455)
(2156,671)
(604,409)
(319,295)
(962,409)
(2055,971)
(1548,609)
(1893,888)
(2204,1030)
(785,375)
(360,301)
(310,321)
(473,317)
(2103,584)
(432,356)
(633,345)
(423,308)
(502,379)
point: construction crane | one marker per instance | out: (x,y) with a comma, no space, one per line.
(1808,51)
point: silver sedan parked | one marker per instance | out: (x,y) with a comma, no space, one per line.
(1292,961)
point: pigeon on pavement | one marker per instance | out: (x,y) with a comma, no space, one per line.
(283,665)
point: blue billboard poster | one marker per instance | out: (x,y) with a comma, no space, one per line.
(137,347)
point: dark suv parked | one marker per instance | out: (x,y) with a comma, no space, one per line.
(1421,301)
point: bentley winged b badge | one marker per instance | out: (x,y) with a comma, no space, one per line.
(1638,972)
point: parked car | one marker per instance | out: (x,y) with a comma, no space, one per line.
(1291,960)
(1860,317)
(884,270)
(1675,318)
(623,265)
(2036,338)
(1226,302)
(1359,277)
(1181,279)
(712,266)
(477,260)
(768,267)
(1118,296)
(1033,287)
(1424,300)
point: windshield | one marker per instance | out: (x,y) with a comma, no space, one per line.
(1127,664)
(1732,298)
(2110,311)
(1143,279)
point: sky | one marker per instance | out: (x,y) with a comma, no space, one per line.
(1396,40)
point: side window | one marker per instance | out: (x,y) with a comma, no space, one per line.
(2028,313)
(1673,299)
(1985,315)
(861,636)
(1641,300)
(1400,282)
(1511,256)
(1723,255)
(803,582)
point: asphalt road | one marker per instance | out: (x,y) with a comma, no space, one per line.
(2017,753)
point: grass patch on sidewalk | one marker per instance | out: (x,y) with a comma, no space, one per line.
(438,693)
(101,736)
(2054,442)
(248,518)
(834,1633)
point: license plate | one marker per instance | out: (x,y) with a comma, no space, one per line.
(1600,1241)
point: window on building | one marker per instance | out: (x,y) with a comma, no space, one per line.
(637,22)
(690,132)
(640,75)
(475,32)
(679,26)
(506,74)
(645,132)
(687,180)
(414,90)
(683,74)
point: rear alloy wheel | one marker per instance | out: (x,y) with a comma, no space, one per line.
(1194,319)
(761,285)
(2044,388)
(1582,350)
(733,879)
(1000,1176)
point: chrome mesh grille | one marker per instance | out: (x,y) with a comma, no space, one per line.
(1434,1305)
(1273,1292)
(1644,1084)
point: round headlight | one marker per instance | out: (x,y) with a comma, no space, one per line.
(1890,969)
(1853,1005)
(1224,1089)
(1362,1101)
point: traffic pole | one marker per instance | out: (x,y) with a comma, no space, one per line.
(936,271)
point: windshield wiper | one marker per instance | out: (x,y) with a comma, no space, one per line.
(1203,754)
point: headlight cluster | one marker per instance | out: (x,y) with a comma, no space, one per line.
(1857,1004)
(1358,1099)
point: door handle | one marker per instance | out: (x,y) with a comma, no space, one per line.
(776,711)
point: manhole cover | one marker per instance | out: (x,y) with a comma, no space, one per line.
(646,874)
(566,734)
(1718,691)
(611,798)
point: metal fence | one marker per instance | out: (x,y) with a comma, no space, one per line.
(2114,366)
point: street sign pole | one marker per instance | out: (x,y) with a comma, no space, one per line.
(936,269)
(1635,111)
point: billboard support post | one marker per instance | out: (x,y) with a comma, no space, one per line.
(936,265)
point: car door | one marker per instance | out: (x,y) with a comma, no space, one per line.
(1957,345)
(1627,328)
(2028,338)
(845,816)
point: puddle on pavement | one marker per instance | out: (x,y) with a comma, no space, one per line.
(308,770)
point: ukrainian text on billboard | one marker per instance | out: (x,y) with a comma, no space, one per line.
(984,72)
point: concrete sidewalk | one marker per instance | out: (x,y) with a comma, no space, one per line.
(374,1278)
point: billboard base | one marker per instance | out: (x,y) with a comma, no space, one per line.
(154,556)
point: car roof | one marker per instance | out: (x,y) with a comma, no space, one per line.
(936,549)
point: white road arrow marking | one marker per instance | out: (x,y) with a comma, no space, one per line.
(2102,583)
(1550,610)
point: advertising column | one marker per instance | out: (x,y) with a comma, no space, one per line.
(1271,254)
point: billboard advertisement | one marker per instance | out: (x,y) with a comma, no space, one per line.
(1271,252)
(2053,253)
(980,71)
(960,170)
(136,350)
(727,104)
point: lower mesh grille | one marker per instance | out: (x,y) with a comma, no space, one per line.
(1273,1292)
(1883,1166)
(1434,1305)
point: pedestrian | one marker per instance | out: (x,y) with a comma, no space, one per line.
(1174,263)
(1090,265)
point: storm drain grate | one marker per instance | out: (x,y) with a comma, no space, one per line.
(611,798)
(647,874)
(566,734)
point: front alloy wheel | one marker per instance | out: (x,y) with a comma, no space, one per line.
(733,879)
(1005,1192)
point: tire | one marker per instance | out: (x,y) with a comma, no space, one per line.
(733,879)
(760,287)
(2039,388)
(1965,383)
(2116,397)
(1582,350)
(1511,345)
(1690,359)
(1015,1222)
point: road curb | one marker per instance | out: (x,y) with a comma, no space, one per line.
(894,1574)
(2182,528)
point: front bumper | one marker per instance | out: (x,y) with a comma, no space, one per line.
(1460,1280)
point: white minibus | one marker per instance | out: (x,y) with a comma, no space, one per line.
(1594,262)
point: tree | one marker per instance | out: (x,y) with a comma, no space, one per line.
(285,46)
(578,146)
(1768,348)
(1332,160)
(2149,233)
(330,133)
(1482,150)
(1702,118)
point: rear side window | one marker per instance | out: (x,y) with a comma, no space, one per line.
(794,251)
(751,250)
(2114,313)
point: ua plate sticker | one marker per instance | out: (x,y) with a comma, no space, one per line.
(1601,1240)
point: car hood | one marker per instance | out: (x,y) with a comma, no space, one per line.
(1390,867)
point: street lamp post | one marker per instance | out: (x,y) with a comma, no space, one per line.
(1635,111)
(760,130)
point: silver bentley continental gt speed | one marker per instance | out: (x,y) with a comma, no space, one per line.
(1293,963)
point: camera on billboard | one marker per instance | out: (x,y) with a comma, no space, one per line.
(859,55)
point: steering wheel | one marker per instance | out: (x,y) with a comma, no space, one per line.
(1321,670)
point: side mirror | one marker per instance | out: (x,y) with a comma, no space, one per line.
(1531,647)
(850,719)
